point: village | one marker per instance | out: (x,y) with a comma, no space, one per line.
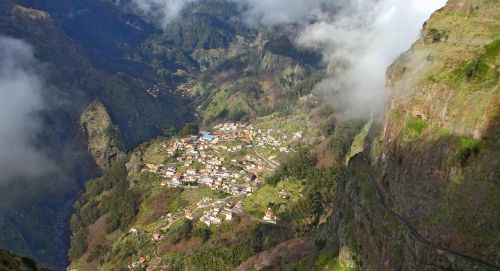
(228,161)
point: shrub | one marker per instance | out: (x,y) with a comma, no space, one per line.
(413,129)
(320,184)
(436,35)
(343,137)
(189,129)
(96,252)
(78,244)
(468,147)
(202,231)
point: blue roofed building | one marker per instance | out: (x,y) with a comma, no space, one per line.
(207,136)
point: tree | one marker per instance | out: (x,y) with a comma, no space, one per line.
(78,244)
(202,231)
(189,129)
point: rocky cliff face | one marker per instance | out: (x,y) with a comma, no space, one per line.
(102,135)
(433,154)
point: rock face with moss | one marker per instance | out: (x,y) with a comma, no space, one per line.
(433,153)
(102,134)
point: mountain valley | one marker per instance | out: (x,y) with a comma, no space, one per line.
(215,141)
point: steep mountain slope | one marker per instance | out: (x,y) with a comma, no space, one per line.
(102,135)
(432,158)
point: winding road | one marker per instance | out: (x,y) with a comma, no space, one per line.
(411,229)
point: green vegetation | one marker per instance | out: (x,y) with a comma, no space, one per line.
(482,72)
(189,129)
(413,129)
(469,74)
(82,63)
(96,252)
(468,147)
(205,25)
(179,231)
(121,206)
(283,46)
(319,188)
(193,196)
(12,262)
(202,231)
(102,135)
(222,255)
(119,203)
(159,202)
(248,98)
(223,258)
(343,137)
(267,196)
(436,35)
(228,105)
(358,143)
(327,261)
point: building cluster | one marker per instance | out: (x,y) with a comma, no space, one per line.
(266,138)
(225,160)
(153,91)
(138,264)
(209,211)
(269,216)
(202,160)
(229,160)
(220,210)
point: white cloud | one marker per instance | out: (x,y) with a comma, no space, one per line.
(21,101)
(266,12)
(165,10)
(271,12)
(361,41)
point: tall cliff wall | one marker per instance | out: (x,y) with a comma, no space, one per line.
(433,154)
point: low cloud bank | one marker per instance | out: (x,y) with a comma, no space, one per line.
(165,10)
(21,101)
(360,41)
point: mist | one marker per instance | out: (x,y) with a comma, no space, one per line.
(164,10)
(359,39)
(265,12)
(21,101)
(359,42)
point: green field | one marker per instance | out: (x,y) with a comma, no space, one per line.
(194,195)
(257,203)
